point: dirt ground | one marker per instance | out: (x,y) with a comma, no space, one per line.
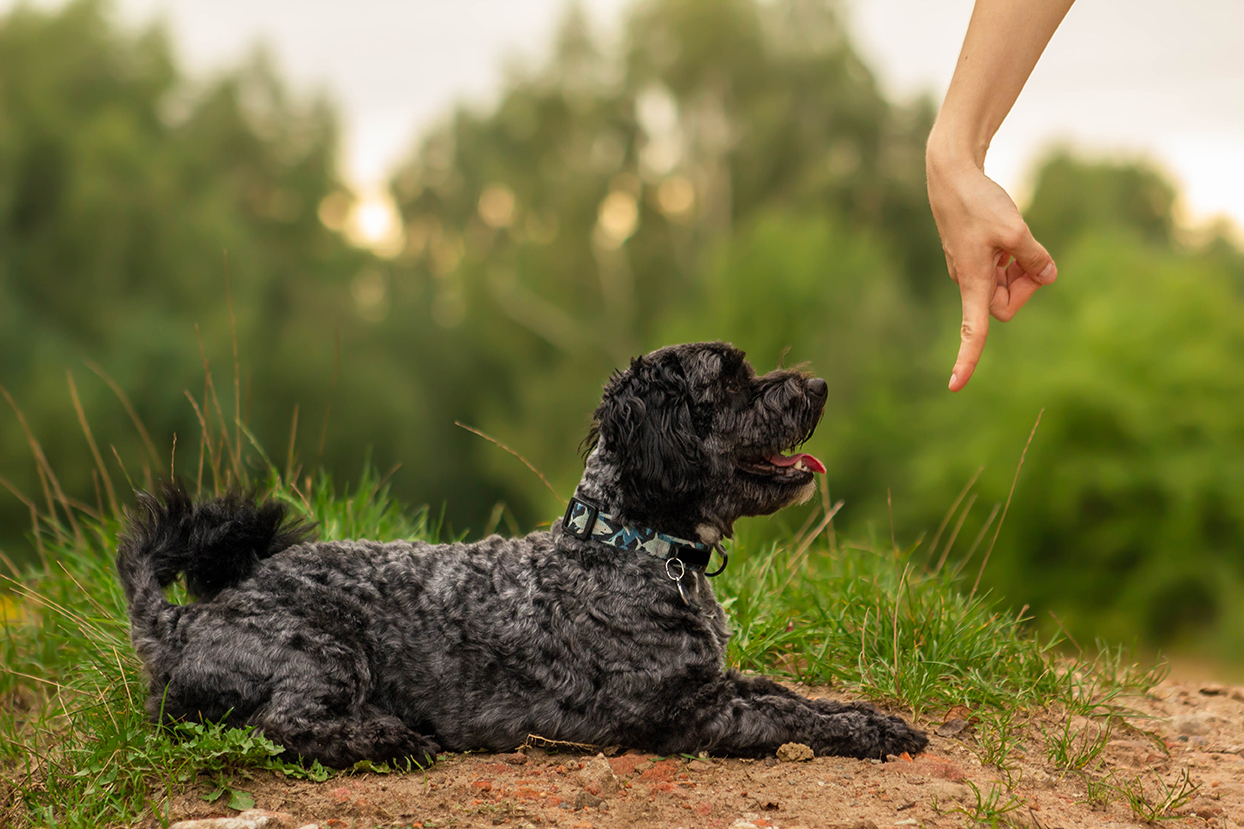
(1180,727)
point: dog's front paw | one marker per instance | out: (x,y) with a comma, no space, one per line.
(389,740)
(419,750)
(424,754)
(856,729)
(896,736)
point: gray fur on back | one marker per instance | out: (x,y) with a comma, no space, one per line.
(342,651)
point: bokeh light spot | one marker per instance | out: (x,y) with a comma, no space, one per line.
(497,206)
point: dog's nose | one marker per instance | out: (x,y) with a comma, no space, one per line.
(818,387)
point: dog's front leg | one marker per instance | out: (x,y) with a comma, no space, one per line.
(752,717)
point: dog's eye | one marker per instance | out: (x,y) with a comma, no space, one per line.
(738,397)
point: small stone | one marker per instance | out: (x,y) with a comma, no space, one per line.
(928,766)
(515,759)
(952,728)
(794,753)
(1191,724)
(1042,780)
(250,819)
(1213,690)
(944,791)
(598,777)
(700,765)
(586,799)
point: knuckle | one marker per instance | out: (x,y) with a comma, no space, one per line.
(1013,234)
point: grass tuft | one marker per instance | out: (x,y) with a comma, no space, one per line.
(884,623)
(76,746)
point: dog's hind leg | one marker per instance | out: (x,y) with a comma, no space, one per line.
(313,701)
(752,717)
(311,732)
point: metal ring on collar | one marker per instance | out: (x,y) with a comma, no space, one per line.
(682,569)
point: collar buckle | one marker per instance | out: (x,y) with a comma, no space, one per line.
(568,526)
(691,556)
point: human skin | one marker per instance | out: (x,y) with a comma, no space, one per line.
(990,252)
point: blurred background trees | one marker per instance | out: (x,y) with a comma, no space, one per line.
(723,170)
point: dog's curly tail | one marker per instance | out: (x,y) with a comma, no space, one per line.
(215,543)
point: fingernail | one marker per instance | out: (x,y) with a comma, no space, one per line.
(1048,275)
(953,378)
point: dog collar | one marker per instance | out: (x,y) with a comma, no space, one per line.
(586,522)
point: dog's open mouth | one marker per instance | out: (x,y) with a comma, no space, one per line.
(779,465)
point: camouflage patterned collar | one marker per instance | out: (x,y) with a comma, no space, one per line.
(584,521)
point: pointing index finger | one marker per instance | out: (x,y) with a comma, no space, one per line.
(972,332)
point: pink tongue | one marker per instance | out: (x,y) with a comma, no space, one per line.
(808,461)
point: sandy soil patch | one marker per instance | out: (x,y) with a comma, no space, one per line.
(1185,741)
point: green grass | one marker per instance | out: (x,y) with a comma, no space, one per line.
(880,621)
(76,748)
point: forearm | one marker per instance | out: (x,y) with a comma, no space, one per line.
(1005,38)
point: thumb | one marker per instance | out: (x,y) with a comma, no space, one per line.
(1034,258)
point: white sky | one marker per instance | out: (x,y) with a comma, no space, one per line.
(1121,77)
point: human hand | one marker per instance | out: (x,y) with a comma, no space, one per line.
(990,253)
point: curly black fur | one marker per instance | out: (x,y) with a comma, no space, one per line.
(343,651)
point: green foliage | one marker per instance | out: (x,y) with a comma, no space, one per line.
(999,741)
(1072,748)
(143,221)
(988,808)
(1161,800)
(1074,198)
(367,511)
(880,620)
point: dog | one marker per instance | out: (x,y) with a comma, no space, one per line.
(602,631)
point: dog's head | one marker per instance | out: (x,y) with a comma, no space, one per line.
(689,438)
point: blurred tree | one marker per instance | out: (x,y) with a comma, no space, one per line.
(129,201)
(1074,197)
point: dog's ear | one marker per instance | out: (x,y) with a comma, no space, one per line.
(645,420)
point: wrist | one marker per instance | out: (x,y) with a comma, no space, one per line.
(953,146)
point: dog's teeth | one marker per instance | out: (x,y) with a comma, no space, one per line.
(799,465)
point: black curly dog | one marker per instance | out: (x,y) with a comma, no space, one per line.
(604,631)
